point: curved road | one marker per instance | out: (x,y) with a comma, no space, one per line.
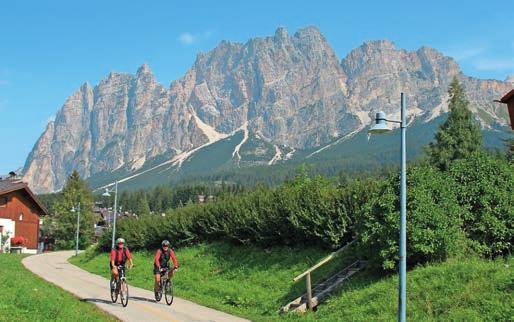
(54,267)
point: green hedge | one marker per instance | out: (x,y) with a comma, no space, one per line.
(306,210)
(468,207)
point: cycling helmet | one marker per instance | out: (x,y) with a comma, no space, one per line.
(120,241)
(165,243)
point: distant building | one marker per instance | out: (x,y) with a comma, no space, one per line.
(20,210)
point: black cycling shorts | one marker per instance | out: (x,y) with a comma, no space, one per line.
(110,266)
(157,269)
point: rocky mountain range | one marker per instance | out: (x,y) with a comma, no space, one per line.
(287,92)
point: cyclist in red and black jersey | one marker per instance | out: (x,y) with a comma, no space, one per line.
(119,256)
(161,259)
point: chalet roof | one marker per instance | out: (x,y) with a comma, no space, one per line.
(7,186)
(507,97)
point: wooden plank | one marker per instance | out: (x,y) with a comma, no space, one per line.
(324,261)
(318,293)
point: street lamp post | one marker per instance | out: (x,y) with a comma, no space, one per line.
(378,128)
(107,194)
(73,209)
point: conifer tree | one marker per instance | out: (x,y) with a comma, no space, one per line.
(65,220)
(459,136)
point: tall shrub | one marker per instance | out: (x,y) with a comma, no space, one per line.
(485,187)
(433,220)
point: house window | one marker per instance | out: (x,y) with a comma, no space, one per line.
(3,201)
(21,216)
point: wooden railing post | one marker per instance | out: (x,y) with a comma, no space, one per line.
(309,291)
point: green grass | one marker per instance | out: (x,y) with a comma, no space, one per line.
(26,297)
(255,283)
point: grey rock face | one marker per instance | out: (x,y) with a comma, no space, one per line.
(290,90)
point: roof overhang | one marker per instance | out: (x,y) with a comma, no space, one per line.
(25,187)
(505,99)
(509,100)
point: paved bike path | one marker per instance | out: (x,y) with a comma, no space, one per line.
(54,267)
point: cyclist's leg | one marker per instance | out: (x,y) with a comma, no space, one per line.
(114,272)
(157,278)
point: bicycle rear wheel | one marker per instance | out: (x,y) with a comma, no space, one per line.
(168,292)
(114,292)
(124,293)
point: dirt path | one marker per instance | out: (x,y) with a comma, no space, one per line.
(54,267)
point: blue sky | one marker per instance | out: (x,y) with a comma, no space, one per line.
(49,48)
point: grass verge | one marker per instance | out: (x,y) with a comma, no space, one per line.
(254,283)
(26,297)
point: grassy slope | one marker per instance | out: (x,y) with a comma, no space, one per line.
(26,297)
(253,283)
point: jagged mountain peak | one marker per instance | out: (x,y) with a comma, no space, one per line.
(281,34)
(144,69)
(308,31)
(291,90)
(509,79)
(377,45)
(85,87)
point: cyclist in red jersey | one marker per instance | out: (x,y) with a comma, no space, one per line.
(161,260)
(119,256)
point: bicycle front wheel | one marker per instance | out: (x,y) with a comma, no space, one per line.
(114,292)
(124,293)
(168,292)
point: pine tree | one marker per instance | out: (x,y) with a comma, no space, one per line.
(459,136)
(142,207)
(64,220)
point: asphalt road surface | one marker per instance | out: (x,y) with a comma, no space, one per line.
(54,267)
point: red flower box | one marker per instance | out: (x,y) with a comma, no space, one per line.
(18,241)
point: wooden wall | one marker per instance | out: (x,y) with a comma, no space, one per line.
(19,203)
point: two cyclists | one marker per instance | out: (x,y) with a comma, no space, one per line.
(120,255)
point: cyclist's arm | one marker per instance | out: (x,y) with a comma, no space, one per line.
(156,258)
(174,259)
(129,259)
(113,255)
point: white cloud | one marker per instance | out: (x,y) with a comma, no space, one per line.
(466,53)
(494,64)
(208,33)
(187,38)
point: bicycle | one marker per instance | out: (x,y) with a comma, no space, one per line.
(120,287)
(166,283)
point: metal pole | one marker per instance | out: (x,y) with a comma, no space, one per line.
(115,212)
(78,228)
(402,292)
(309,291)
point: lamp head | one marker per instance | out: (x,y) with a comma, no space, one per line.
(106,193)
(380,125)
